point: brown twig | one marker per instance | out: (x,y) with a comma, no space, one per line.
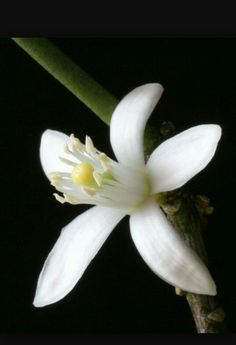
(188,215)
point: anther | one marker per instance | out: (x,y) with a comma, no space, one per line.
(59,198)
(71,199)
(98,178)
(67,161)
(56,179)
(89,146)
(74,144)
(89,191)
(104,160)
(67,149)
(56,183)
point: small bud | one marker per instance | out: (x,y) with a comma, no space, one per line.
(179,292)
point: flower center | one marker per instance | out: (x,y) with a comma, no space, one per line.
(82,174)
(96,179)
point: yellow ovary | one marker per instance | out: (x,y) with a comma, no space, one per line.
(82,174)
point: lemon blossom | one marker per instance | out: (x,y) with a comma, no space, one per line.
(83,174)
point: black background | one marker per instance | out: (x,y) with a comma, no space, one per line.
(118,294)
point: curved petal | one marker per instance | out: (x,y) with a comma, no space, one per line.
(180,158)
(77,245)
(128,123)
(51,148)
(165,252)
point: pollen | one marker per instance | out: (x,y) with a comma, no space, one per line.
(82,174)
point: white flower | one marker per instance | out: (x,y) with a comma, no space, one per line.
(127,187)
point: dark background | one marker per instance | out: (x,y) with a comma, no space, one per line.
(118,294)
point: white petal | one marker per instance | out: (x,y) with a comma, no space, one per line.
(180,158)
(128,123)
(51,148)
(165,252)
(77,245)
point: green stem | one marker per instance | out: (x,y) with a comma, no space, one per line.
(69,74)
(77,81)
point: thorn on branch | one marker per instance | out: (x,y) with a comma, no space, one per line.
(203,205)
(167,129)
(217,315)
(179,292)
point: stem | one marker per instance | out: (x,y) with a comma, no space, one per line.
(182,211)
(77,81)
(190,220)
(69,74)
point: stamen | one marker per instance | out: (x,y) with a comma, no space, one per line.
(108,176)
(56,179)
(67,161)
(59,198)
(98,178)
(71,199)
(104,160)
(89,191)
(89,146)
(54,175)
(65,175)
(69,144)
(56,183)
(74,144)
(67,149)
